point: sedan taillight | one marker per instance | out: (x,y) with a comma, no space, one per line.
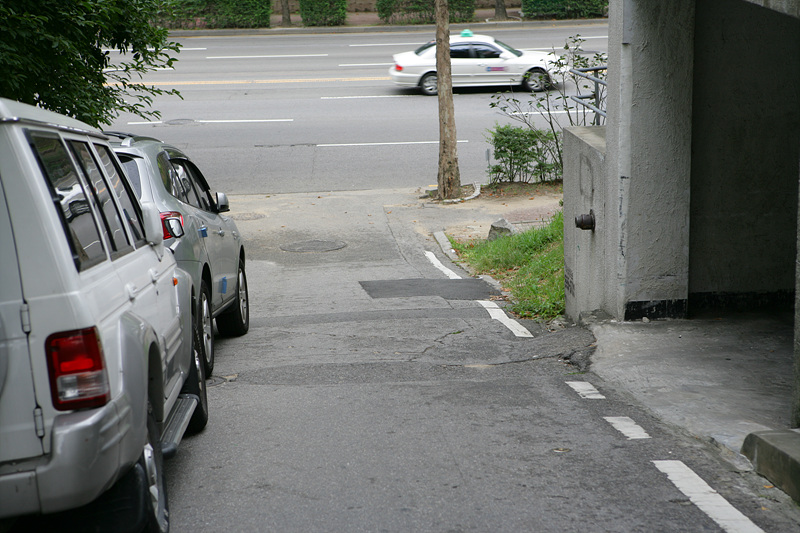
(397,67)
(165,215)
(78,377)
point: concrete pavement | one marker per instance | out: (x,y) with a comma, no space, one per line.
(723,378)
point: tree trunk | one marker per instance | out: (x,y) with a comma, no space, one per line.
(287,18)
(449,177)
(500,10)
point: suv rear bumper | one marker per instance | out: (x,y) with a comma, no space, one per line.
(92,440)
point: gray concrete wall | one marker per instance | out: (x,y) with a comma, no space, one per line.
(746,134)
(649,154)
(586,258)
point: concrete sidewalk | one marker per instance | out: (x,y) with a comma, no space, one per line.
(726,378)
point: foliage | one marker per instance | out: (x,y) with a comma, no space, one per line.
(524,154)
(56,55)
(423,11)
(557,106)
(221,14)
(529,264)
(564,9)
(323,12)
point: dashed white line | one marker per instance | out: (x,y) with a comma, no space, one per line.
(267,56)
(706,499)
(627,427)
(498,314)
(385,44)
(366,64)
(362,97)
(586,390)
(438,264)
(381,144)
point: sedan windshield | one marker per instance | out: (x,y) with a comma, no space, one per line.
(506,47)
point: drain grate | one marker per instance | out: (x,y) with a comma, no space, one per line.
(313,246)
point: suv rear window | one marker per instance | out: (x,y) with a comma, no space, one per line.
(71,200)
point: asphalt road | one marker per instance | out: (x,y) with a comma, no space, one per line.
(375,392)
(299,113)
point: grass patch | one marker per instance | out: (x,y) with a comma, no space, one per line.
(530,265)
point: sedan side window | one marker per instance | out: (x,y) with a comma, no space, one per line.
(71,200)
(460,51)
(485,51)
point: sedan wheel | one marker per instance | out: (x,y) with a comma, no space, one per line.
(536,80)
(428,84)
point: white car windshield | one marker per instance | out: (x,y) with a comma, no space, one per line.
(422,49)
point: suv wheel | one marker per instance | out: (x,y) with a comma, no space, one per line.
(205,327)
(156,507)
(196,384)
(236,321)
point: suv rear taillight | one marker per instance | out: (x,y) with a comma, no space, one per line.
(78,377)
(164,216)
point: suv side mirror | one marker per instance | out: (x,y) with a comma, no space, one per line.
(174,227)
(222,203)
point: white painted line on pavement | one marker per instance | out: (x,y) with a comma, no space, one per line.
(267,56)
(229,121)
(706,498)
(381,144)
(358,97)
(586,390)
(627,427)
(498,314)
(385,44)
(366,64)
(438,264)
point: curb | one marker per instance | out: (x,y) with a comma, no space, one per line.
(776,456)
(312,30)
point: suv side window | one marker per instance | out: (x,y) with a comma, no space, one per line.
(70,198)
(130,209)
(170,179)
(200,197)
(113,228)
(185,179)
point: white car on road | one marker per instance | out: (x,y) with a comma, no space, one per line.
(475,60)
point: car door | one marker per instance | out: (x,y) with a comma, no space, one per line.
(462,64)
(491,67)
(18,406)
(221,243)
(147,274)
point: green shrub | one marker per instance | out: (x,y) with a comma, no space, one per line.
(564,9)
(423,11)
(523,154)
(220,14)
(323,12)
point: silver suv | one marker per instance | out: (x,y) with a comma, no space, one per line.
(99,378)
(212,250)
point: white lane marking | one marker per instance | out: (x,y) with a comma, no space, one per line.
(381,144)
(498,314)
(706,498)
(586,390)
(366,64)
(230,121)
(267,56)
(627,427)
(359,97)
(438,264)
(385,44)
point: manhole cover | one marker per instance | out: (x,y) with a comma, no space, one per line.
(179,121)
(247,216)
(313,246)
